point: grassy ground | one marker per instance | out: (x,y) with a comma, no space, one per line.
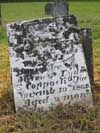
(63,119)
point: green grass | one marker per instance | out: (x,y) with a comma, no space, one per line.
(22,11)
(87,13)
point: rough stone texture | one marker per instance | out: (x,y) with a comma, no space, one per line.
(48,64)
(86,40)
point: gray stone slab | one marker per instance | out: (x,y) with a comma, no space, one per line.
(47,64)
(86,40)
(58,8)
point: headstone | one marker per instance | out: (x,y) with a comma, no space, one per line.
(48,63)
(49,9)
(58,8)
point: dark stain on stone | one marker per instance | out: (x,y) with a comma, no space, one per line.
(71,30)
(71,19)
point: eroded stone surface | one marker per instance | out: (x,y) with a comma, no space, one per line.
(48,64)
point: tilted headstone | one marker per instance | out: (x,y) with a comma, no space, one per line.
(48,63)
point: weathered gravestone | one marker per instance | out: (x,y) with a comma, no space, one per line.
(48,63)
